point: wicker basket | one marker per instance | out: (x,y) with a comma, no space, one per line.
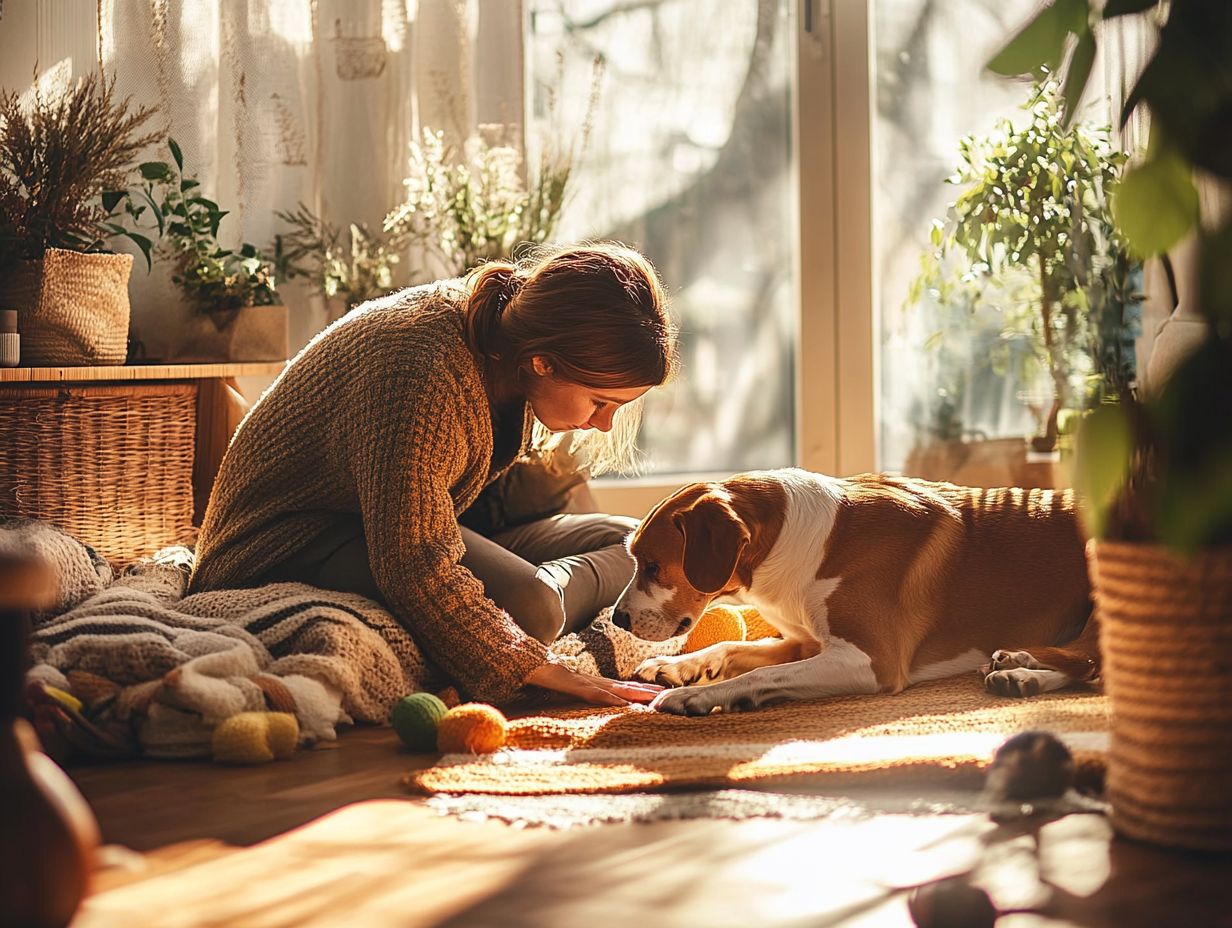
(73,307)
(111,465)
(1166,637)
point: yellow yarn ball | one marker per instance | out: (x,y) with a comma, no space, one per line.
(756,627)
(471,728)
(255,737)
(718,623)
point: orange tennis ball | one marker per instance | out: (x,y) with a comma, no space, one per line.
(471,728)
(756,627)
(718,623)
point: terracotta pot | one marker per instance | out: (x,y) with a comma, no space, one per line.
(72,307)
(1166,636)
(254,333)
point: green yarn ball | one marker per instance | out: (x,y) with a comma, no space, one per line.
(415,718)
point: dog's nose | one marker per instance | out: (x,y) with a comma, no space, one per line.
(622,619)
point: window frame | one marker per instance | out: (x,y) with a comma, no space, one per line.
(835,362)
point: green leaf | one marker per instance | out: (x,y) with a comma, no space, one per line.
(158,213)
(188,183)
(176,153)
(1078,75)
(1156,204)
(1101,463)
(112,198)
(1041,43)
(155,170)
(145,245)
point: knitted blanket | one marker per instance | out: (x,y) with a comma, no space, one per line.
(130,665)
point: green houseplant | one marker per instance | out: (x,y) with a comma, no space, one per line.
(237,315)
(1155,469)
(60,152)
(1029,248)
(352,267)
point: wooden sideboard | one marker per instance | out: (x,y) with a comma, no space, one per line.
(220,403)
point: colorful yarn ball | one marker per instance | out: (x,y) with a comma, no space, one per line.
(718,623)
(255,737)
(415,719)
(756,627)
(471,728)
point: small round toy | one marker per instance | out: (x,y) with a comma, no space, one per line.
(718,623)
(1030,766)
(415,719)
(755,627)
(255,737)
(951,903)
(471,728)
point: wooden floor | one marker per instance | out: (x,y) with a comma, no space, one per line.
(391,861)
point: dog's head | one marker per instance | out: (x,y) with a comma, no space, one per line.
(687,551)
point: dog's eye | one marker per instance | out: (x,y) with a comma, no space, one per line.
(651,570)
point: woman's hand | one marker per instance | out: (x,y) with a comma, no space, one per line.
(598,691)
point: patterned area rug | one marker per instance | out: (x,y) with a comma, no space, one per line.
(850,805)
(940,734)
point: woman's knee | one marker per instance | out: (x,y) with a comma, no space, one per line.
(613,530)
(537,607)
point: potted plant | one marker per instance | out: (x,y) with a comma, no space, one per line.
(350,268)
(1155,469)
(1030,259)
(237,313)
(60,152)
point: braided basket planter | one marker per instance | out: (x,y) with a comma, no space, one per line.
(1166,637)
(73,308)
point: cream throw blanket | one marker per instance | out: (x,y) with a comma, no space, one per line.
(150,671)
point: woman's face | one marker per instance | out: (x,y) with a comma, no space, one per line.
(562,405)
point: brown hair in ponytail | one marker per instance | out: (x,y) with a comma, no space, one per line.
(595,312)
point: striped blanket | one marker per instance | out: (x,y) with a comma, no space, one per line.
(129,665)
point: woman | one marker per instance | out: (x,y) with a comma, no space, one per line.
(352,470)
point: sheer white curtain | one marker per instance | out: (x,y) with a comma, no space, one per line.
(275,102)
(280,101)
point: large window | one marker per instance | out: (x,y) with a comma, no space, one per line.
(690,160)
(962,389)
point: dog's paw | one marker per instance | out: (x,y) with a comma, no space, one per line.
(680,670)
(1016,681)
(703,700)
(1009,660)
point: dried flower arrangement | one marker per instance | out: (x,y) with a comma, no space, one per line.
(467,207)
(59,153)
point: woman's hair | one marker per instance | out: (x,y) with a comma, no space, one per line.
(595,312)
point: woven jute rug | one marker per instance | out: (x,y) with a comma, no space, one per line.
(936,734)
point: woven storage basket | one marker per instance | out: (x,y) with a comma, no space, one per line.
(1166,637)
(73,308)
(111,465)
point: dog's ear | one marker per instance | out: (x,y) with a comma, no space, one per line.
(714,537)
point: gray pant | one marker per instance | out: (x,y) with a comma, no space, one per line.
(553,576)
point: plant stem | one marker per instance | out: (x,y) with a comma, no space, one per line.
(1055,368)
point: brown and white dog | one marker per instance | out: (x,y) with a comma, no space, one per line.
(875,582)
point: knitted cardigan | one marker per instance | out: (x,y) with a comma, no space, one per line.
(383,415)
